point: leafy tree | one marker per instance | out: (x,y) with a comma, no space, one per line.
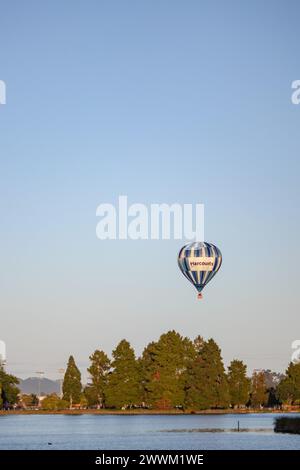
(91,396)
(53,402)
(98,370)
(206,384)
(259,393)
(163,370)
(30,400)
(239,383)
(8,389)
(72,383)
(289,387)
(148,373)
(123,382)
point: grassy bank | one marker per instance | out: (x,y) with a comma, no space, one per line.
(287,424)
(138,412)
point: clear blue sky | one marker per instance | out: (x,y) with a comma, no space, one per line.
(165,101)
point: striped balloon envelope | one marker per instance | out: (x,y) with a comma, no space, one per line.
(199,262)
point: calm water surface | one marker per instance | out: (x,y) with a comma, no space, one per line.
(199,432)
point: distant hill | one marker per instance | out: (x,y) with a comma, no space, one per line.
(31,385)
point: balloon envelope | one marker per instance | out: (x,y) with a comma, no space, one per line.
(199,262)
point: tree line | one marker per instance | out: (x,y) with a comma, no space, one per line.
(175,372)
(172,373)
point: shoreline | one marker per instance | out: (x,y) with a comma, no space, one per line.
(143,413)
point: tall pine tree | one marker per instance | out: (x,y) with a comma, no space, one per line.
(206,383)
(123,387)
(239,383)
(72,383)
(163,366)
(98,370)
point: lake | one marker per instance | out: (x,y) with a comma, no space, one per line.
(200,432)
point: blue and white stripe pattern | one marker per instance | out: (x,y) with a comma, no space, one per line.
(199,278)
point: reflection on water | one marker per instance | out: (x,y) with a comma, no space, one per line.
(100,432)
(220,430)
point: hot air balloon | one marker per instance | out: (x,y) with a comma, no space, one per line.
(199,262)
